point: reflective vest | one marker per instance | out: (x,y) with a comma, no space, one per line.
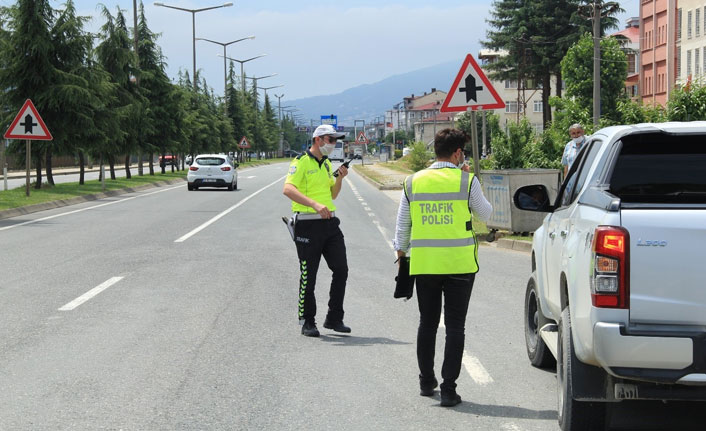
(442,239)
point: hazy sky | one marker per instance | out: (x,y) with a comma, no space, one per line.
(316,47)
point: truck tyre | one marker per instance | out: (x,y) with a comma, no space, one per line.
(539,354)
(573,415)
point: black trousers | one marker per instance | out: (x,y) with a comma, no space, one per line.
(316,238)
(456,291)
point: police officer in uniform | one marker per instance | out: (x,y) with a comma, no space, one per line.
(434,224)
(312,187)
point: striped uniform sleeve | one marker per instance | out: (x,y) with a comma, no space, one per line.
(477,201)
(403,227)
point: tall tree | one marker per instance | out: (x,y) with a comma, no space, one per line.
(27,71)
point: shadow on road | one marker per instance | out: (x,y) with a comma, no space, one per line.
(496,411)
(351,340)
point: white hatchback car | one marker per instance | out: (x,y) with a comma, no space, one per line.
(212,170)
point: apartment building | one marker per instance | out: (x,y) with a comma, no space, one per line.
(631,46)
(691,44)
(661,49)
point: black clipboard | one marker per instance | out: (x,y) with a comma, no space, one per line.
(404,287)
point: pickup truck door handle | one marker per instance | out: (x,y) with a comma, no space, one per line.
(552,235)
(563,233)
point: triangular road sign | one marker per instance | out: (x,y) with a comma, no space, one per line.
(28,125)
(471,89)
(244,143)
(361,139)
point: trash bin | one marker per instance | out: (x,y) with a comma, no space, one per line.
(500,186)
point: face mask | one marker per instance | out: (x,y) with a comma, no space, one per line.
(578,140)
(327,148)
(461,161)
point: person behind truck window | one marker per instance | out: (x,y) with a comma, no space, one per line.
(572,147)
(434,224)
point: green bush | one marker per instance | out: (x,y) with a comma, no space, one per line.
(398,154)
(419,157)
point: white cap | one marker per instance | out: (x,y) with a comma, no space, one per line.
(327,129)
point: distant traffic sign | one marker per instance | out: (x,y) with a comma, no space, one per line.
(244,143)
(471,90)
(361,139)
(330,119)
(28,125)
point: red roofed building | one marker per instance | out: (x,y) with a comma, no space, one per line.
(631,47)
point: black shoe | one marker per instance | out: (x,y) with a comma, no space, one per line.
(450,400)
(337,326)
(426,387)
(309,329)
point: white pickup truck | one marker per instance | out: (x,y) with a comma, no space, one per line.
(617,295)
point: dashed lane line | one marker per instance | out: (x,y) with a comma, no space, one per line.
(90,294)
(216,218)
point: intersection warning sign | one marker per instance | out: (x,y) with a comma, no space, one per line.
(471,90)
(361,139)
(28,125)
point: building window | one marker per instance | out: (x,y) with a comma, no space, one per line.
(688,25)
(697,22)
(631,64)
(511,106)
(679,62)
(538,106)
(688,63)
(704,60)
(697,62)
(510,83)
(678,24)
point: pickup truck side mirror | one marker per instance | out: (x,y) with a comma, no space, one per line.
(533,198)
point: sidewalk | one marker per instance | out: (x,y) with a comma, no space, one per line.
(390,179)
(15,174)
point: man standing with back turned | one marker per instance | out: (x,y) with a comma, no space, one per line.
(312,187)
(434,223)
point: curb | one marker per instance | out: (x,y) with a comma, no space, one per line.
(514,244)
(14,212)
(378,185)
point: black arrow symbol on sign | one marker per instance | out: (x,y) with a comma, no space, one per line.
(29,124)
(470,89)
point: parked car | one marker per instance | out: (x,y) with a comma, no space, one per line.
(168,160)
(617,297)
(291,153)
(212,170)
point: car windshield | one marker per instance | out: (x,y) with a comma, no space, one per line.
(660,168)
(210,161)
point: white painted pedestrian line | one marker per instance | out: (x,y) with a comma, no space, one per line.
(510,427)
(214,219)
(90,294)
(476,370)
(250,177)
(89,208)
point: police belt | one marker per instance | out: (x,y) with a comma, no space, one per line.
(312,216)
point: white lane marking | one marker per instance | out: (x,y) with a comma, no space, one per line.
(250,177)
(90,294)
(214,219)
(510,427)
(89,208)
(476,370)
(383,231)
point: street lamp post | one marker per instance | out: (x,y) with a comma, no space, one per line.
(269,88)
(193,27)
(254,83)
(242,72)
(225,77)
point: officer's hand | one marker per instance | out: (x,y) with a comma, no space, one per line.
(466,168)
(323,211)
(342,172)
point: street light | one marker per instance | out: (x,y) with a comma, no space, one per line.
(193,27)
(225,78)
(269,88)
(242,73)
(254,84)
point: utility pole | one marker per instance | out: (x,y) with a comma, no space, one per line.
(137,82)
(596,62)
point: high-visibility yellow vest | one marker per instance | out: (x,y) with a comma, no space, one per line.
(442,238)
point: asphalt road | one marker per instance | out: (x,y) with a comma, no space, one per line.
(176,310)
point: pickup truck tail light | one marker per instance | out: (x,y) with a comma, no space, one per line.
(193,168)
(610,283)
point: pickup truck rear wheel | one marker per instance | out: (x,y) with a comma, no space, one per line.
(539,354)
(573,415)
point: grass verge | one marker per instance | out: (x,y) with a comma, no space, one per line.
(16,198)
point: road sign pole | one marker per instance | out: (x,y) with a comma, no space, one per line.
(3,162)
(28,160)
(474,136)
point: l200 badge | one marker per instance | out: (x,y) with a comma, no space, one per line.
(651,243)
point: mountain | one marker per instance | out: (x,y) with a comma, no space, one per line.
(372,100)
